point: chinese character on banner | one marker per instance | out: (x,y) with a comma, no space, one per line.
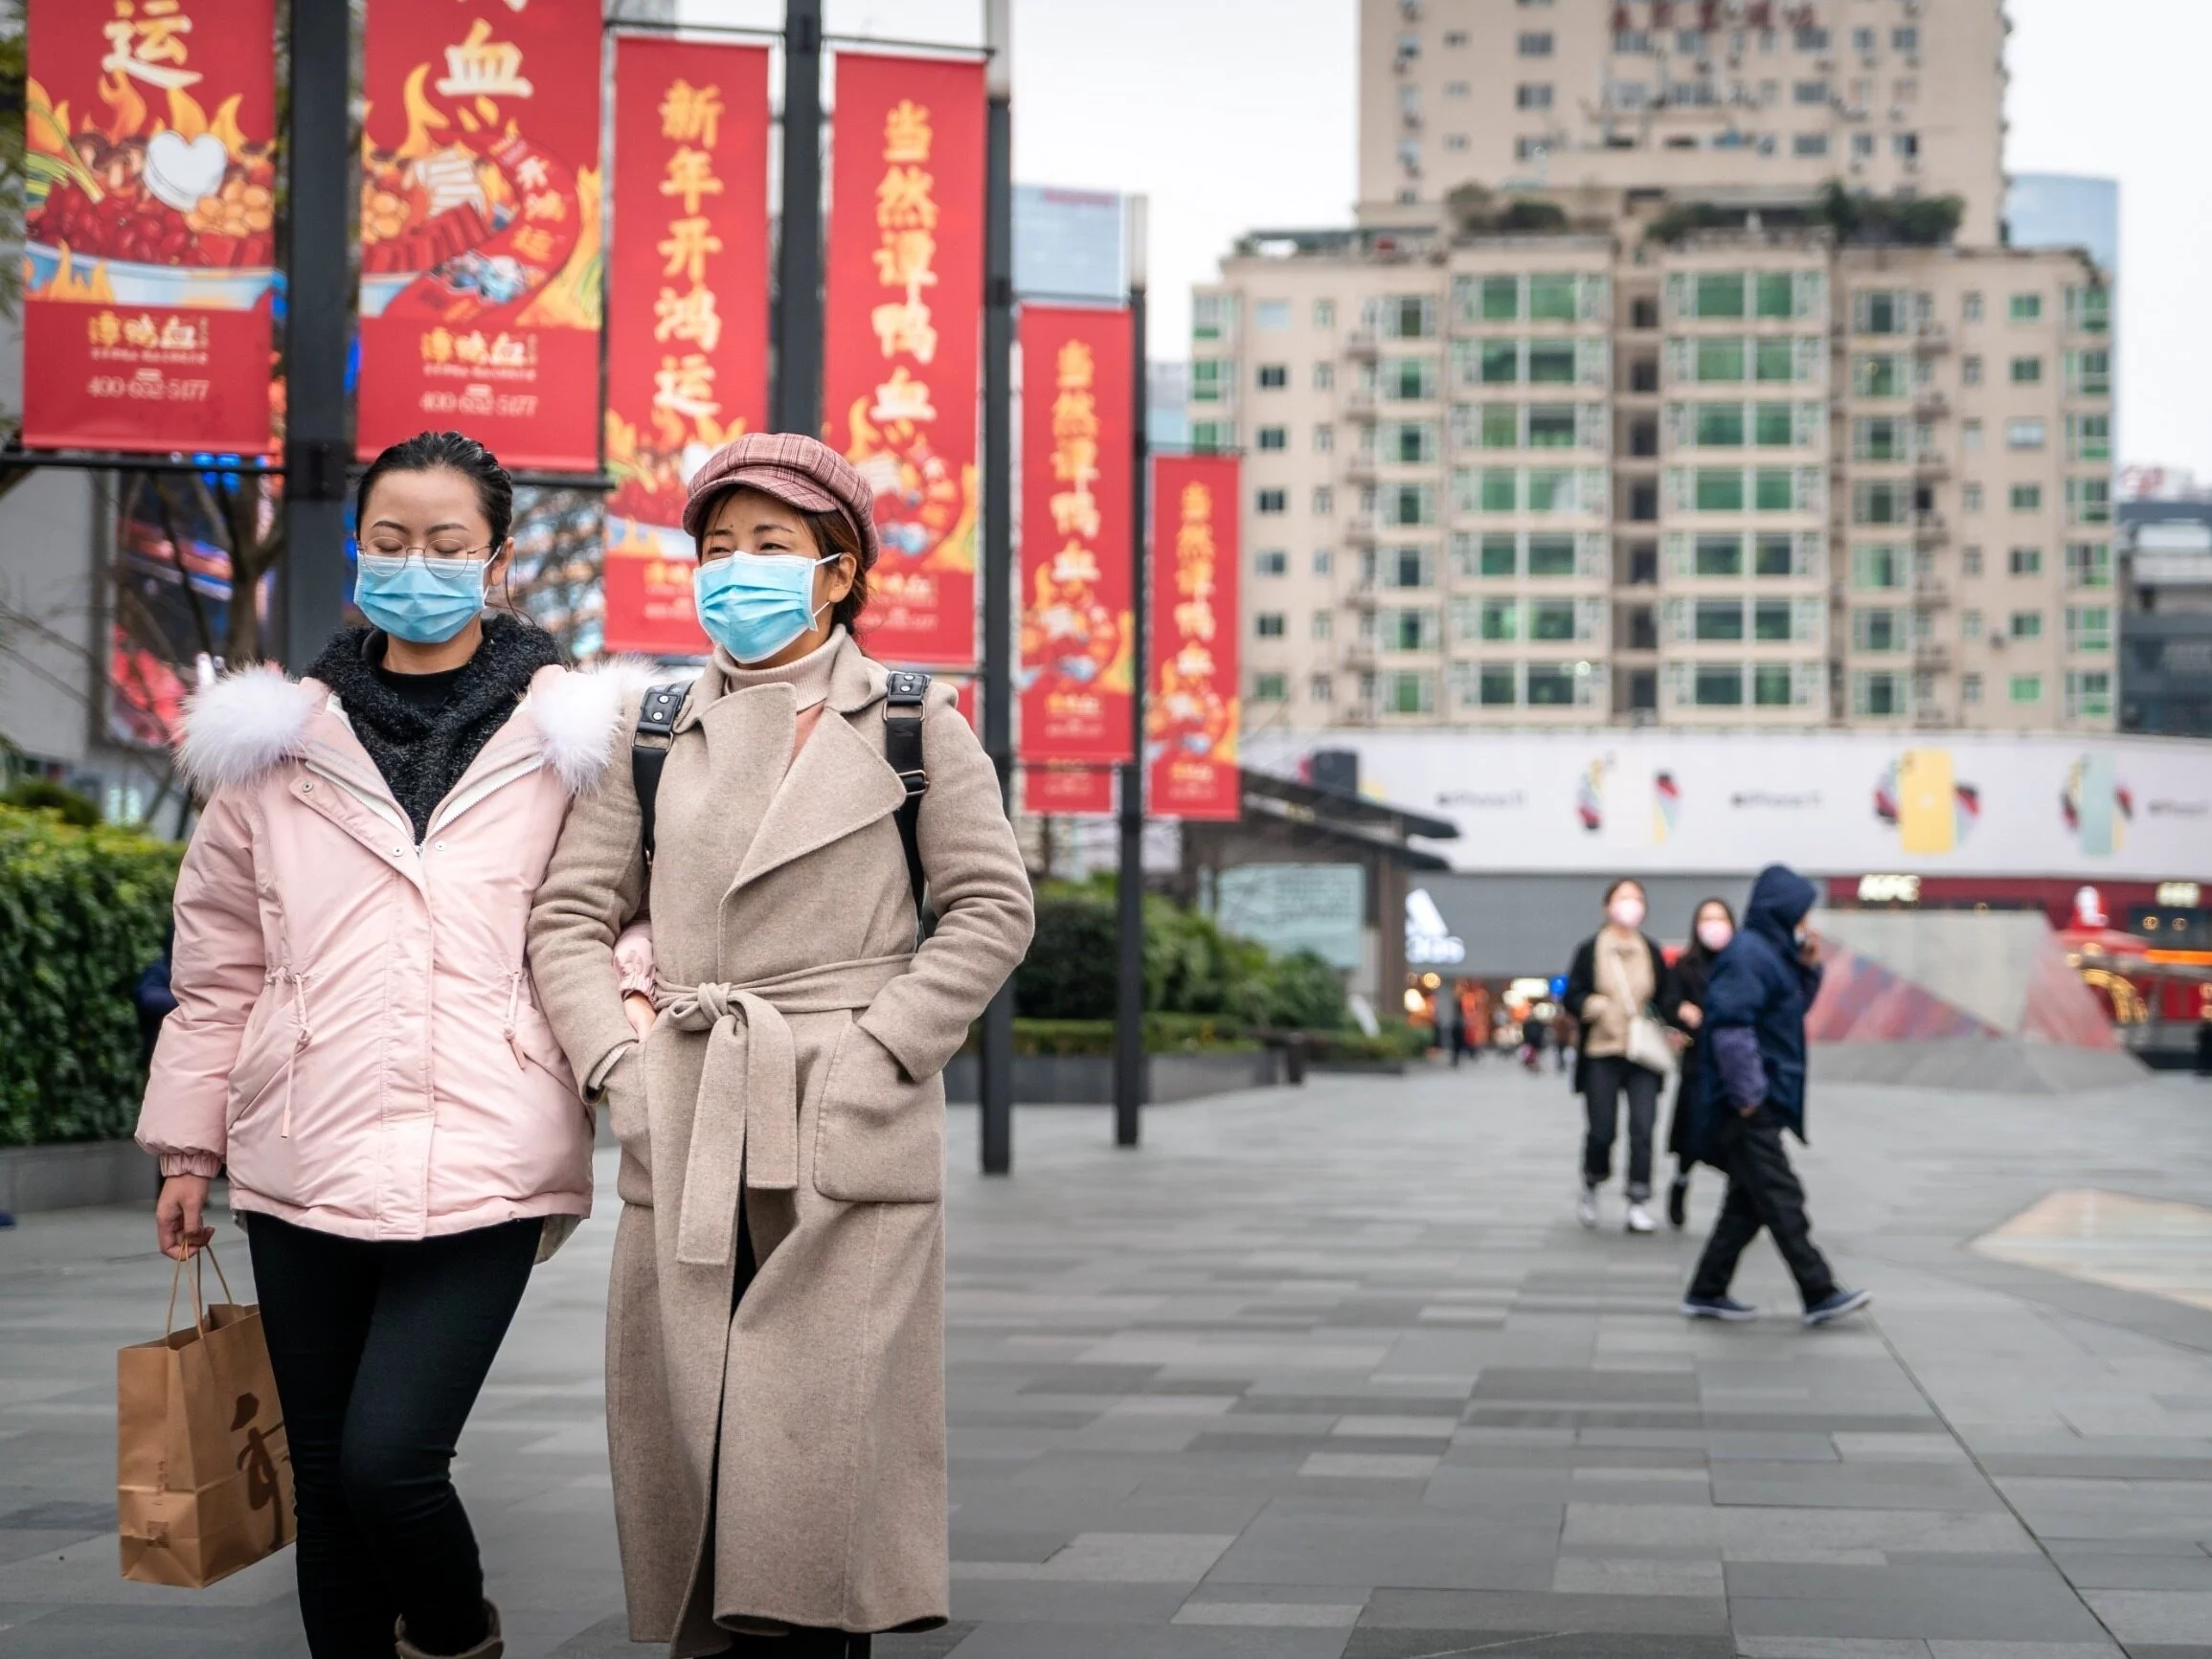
(1077,582)
(903,303)
(688,334)
(1068,791)
(481,250)
(1191,725)
(149,246)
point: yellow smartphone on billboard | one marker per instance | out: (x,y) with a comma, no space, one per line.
(1927,801)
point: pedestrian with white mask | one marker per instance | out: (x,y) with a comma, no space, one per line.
(1615,988)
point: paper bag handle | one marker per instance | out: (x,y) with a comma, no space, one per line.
(199,1311)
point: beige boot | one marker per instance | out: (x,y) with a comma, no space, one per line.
(492,1647)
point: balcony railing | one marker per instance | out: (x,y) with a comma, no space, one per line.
(1929,530)
(1360,343)
(1931,338)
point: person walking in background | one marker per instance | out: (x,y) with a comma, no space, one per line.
(355,1040)
(1534,1031)
(1710,930)
(1473,1019)
(1754,1089)
(1618,979)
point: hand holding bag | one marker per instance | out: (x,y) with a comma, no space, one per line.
(1647,1037)
(203,1475)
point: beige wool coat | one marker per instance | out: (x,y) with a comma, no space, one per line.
(782,1463)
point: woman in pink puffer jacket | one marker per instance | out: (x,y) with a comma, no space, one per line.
(357,1043)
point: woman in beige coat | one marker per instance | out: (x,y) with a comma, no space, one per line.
(775,1324)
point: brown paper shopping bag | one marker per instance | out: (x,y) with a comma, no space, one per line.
(203,1476)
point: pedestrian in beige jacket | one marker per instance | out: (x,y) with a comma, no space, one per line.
(774,1323)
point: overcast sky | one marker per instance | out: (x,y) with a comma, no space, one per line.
(1234,113)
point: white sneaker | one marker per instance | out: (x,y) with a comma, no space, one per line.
(1639,1219)
(1586,1212)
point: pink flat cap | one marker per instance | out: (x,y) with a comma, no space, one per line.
(797,470)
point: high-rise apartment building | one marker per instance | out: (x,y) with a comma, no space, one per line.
(1735,99)
(1688,451)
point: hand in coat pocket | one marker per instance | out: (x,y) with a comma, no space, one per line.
(623,1096)
(881,1137)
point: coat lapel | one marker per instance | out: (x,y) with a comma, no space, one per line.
(837,785)
(748,740)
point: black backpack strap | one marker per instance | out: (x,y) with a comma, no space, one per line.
(650,751)
(905,692)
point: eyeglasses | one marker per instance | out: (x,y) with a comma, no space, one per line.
(445,564)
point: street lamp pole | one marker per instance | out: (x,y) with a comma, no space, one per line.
(1129,977)
(318,327)
(798,405)
(995,1071)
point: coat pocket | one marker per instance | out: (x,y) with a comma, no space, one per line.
(881,1137)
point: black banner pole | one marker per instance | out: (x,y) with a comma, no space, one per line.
(1129,977)
(995,1072)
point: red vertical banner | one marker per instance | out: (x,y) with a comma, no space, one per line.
(1068,791)
(1077,582)
(481,246)
(1191,724)
(687,332)
(902,323)
(148,236)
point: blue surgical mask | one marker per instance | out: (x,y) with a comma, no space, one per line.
(754,604)
(422,601)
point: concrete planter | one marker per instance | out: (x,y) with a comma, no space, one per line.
(75,1173)
(1088,1079)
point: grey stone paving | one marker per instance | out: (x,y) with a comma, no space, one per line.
(1332,1371)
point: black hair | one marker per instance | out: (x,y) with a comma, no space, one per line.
(447,451)
(1623,881)
(834,533)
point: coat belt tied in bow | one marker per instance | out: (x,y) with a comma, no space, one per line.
(745,1123)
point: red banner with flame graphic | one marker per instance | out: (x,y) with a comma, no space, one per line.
(1077,582)
(481,249)
(149,248)
(688,336)
(1191,725)
(903,310)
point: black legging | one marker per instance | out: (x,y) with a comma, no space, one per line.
(1606,1078)
(379,1350)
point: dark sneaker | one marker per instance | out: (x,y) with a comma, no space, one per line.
(1678,1202)
(1836,1305)
(1719,1308)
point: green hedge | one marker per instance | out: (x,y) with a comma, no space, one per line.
(82,912)
(1164,1034)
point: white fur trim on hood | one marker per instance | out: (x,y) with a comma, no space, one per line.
(244,724)
(579,714)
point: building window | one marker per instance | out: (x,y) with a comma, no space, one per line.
(1324,314)
(1270,688)
(1270,562)
(1212,436)
(1272,438)
(2027,688)
(1551,684)
(1270,316)
(2024,434)
(2089,693)
(1720,490)
(1530,95)
(1323,624)
(2089,373)
(1969,434)
(1325,501)
(1456,140)
(1969,688)
(1407,317)
(1774,555)
(2027,498)
(1905,38)
(1878,631)
(1274,376)
(1969,370)
(2089,309)
(1717,622)
(1862,145)
(1970,308)
(1496,686)
(1905,145)
(1535,45)
(1810,92)
(2027,308)
(1970,561)
(2025,625)
(1268,624)
(1879,376)
(2088,438)
(1772,685)
(2089,629)
(1321,689)
(1717,686)
(1409,693)
(1877,567)
(1881,503)
(2026,561)
(1323,561)
(1877,694)
(2089,501)
(1551,556)
(2027,371)
(1809,144)
(1970,498)
(1500,556)
(1970,624)
(2088,564)
(1212,315)
(1551,299)
(1717,556)
(1456,37)
(1274,500)
(1324,376)
(1324,438)
(1209,379)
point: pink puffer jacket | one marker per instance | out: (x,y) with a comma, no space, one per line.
(356,1036)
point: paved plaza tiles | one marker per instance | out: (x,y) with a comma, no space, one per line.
(1331,1374)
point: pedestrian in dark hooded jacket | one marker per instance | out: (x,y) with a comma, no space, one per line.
(1711,929)
(1755,1025)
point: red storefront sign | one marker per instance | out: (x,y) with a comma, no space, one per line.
(903,300)
(1068,791)
(480,227)
(1078,583)
(1191,725)
(688,334)
(149,248)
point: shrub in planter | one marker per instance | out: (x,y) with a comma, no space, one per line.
(82,912)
